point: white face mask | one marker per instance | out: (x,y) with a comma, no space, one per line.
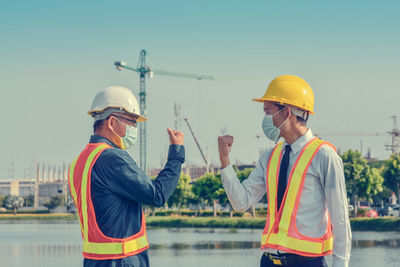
(130,137)
(269,129)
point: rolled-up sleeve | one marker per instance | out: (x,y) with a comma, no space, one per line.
(243,195)
(336,199)
(123,177)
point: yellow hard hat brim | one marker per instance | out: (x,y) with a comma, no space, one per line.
(262,100)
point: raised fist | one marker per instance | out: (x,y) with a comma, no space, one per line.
(175,137)
(225,145)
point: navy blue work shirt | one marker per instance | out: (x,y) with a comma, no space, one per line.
(118,190)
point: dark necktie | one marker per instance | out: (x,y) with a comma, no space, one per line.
(282,175)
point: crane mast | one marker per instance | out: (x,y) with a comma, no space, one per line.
(144,70)
(394,147)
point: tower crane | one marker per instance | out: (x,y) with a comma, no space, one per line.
(395,133)
(394,146)
(346,134)
(142,69)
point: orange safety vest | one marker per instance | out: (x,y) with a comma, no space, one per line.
(96,245)
(280,230)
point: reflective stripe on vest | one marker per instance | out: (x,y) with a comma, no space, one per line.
(95,244)
(280,230)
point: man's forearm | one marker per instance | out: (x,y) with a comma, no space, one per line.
(224,161)
(167,179)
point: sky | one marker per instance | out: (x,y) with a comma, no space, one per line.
(56,55)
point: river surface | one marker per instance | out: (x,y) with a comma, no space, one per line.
(59,244)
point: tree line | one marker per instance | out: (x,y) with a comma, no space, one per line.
(367,182)
(12,202)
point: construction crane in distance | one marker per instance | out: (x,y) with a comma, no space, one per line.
(197,143)
(395,133)
(142,69)
(394,146)
(347,134)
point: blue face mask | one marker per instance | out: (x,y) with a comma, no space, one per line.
(270,130)
(130,137)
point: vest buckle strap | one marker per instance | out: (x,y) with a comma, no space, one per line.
(277,260)
(288,258)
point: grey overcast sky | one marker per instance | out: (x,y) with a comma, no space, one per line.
(55,56)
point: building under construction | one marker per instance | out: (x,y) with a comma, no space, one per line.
(49,180)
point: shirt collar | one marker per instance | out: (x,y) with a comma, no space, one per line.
(100,139)
(300,142)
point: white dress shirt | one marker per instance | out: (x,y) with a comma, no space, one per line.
(324,191)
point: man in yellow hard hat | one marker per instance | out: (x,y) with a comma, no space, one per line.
(108,187)
(303,177)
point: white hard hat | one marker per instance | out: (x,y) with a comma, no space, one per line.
(115,99)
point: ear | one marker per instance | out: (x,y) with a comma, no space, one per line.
(289,111)
(110,123)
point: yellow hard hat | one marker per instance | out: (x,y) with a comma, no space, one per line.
(290,90)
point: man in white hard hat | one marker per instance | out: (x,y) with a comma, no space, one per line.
(303,177)
(108,187)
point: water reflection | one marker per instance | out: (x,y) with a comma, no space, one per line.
(251,245)
(41,250)
(395,243)
(48,244)
(209,245)
(201,230)
(72,249)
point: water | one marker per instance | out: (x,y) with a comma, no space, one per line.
(59,244)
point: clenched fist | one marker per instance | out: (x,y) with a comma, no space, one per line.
(175,137)
(224,147)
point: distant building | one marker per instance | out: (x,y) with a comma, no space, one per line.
(153,172)
(195,171)
(241,167)
(26,187)
(47,190)
(21,188)
(191,170)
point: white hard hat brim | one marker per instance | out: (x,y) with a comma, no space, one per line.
(139,118)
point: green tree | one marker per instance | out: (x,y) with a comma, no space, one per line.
(391,173)
(243,175)
(182,192)
(206,188)
(221,193)
(361,180)
(222,197)
(2,200)
(13,202)
(28,200)
(376,184)
(54,202)
(193,199)
(383,196)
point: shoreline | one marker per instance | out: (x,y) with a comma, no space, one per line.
(357,224)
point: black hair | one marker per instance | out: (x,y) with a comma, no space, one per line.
(98,124)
